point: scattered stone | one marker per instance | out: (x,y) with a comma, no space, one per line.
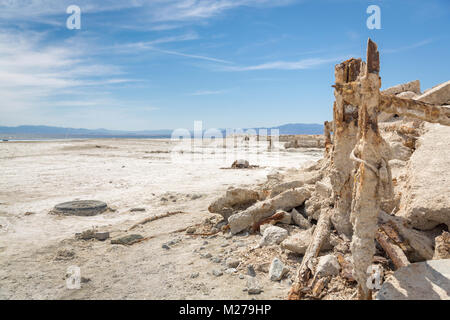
(206,255)
(277,270)
(253,286)
(194,275)
(273,235)
(233,262)
(216,260)
(217,273)
(191,230)
(128,240)
(196,196)
(101,236)
(251,271)
(92,234)
(165,246)
(138,210)
(328,266)
(230,270)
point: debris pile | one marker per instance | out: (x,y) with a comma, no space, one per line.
(369,207)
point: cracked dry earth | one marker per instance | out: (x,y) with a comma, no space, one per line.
(37,248)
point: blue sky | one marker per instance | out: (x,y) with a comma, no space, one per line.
(161,64)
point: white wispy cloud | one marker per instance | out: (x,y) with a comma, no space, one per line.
(285,65)
(207,92)
(157,12)
(409,47)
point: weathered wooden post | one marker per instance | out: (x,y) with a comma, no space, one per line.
(367,197)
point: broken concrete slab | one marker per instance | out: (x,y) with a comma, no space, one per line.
(429,280)
(425,202)
(438,95)
(273,235)
(413,86)
(234,199)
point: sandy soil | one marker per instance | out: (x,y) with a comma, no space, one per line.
(36,248)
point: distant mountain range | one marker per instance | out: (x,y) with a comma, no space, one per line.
(47,132)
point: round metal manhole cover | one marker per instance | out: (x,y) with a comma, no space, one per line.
(81,208)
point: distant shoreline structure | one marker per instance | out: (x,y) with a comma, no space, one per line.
(34,133)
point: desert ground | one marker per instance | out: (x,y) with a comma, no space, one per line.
(37,247)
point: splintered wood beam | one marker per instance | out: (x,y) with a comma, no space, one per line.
(320,235)
(415,109)
(394,251)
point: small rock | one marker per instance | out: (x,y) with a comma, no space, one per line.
(273,235)
(253,287)
(29,213)
(190,230)
(165,246)
(230,270)
(128,240)
(194,275)
(217,273)
(223,245)
(196,196)
(328,266)
(207,255)
(101,236)
(251,271)
(137,209)
(216,260)
(241,276)
(277,270)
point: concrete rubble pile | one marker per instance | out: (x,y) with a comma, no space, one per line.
(378,200)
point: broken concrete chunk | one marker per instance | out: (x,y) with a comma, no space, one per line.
(284,201)
(234,199)
(429,280)
(425,202)
(128,240)
(413,86)
(273,235)
(299,242)
(277,270)
(300,220)
(328,266)
(438,95)
(323,188)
